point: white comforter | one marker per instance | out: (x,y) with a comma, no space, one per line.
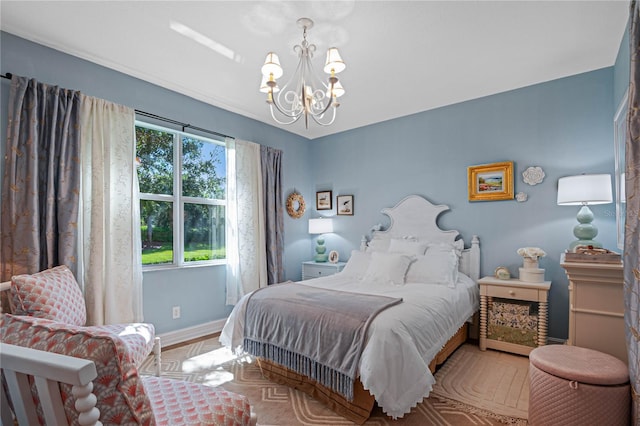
(402,340)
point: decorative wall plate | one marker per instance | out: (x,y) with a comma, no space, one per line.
(295,205)
(533,175)
(521,197)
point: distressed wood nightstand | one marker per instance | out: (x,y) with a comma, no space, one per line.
(313,269)
(513,289)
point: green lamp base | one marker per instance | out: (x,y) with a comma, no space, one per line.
(585,231)
(321,251)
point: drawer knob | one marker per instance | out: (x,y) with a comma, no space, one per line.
(512,293)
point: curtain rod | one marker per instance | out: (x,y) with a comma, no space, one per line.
(157,117)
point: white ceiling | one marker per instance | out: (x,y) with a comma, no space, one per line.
(402,57)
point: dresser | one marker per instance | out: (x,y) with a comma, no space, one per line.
(518,291)
(596,306)
(313,269)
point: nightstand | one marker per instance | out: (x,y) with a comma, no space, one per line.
(313,269)
(515,290)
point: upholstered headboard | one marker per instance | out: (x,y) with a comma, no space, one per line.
(416,217)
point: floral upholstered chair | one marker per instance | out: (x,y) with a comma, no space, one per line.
(54,294)
(124,397)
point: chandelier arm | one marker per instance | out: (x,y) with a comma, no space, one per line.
(333,118)
(294,118)
(283,112)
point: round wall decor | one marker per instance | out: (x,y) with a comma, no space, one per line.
(533,175)
(295,205)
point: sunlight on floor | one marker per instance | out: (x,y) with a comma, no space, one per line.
(213,360)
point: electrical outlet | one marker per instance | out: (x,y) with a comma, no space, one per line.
(176,312)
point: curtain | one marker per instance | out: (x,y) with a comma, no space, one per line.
(109,222)
(245,238)
(632,219)
(271,160)
(41,179)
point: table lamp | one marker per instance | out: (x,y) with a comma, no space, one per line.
(584,190)
(320,226)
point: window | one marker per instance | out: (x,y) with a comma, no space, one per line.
(182,181)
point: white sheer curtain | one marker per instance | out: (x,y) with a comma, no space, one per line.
(245,232)
(110,268)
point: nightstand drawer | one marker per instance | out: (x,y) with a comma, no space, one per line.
(316,270)
(512,292)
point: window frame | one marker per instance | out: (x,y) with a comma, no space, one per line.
(180,200)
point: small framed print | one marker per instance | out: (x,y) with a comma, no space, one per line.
(345,205)
(323,200)
(490,182)
(333,256)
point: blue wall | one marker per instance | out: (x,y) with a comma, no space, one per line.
(564,126)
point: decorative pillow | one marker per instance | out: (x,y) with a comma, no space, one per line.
(357,264)
(52,294)
(387,268)
(409,246)
(439,265)
(378,244)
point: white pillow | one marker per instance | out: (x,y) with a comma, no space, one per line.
(439,265)
(357,264)
(378,244)
(409,246)
(387,268)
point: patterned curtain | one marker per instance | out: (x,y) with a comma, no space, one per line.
(245,236)
(41,179)
(273,212)
(109,220)
(632,220)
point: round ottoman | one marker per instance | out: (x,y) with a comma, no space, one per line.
(569,385)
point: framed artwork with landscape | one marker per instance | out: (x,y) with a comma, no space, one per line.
(490,182)
(323,200)
(345,205)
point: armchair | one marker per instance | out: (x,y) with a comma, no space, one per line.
(54,294)
(122,397)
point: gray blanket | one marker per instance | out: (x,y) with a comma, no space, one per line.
(316,332)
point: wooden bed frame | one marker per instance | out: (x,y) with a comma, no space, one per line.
(416,217)
(358,410)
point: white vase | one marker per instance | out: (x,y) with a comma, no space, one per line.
(530,263)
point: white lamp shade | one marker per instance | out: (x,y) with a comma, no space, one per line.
(320,226)
(338,90)
(584,190)
(272,66)
(264,88)
(334,61)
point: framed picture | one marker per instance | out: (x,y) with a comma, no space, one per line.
(345,205)
(323,200)
(490,182)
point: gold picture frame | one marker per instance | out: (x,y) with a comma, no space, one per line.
(490,182)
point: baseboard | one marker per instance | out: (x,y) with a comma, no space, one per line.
(191,333)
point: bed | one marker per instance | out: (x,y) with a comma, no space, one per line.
(414,260)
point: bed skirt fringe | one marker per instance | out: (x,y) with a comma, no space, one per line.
(329,377)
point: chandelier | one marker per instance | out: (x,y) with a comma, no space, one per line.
(305,94)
